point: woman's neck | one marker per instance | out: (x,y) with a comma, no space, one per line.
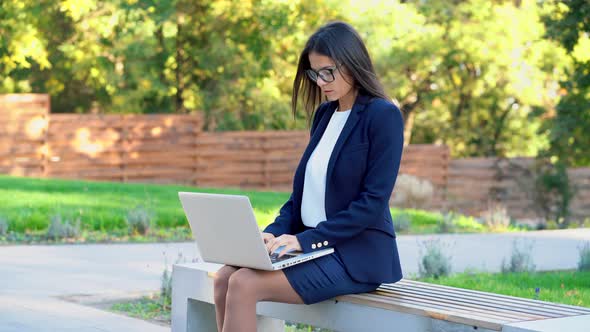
(347,101)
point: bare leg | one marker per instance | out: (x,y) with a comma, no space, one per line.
(246,288)
(220,291)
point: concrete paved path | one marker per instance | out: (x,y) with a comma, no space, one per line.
(35,279)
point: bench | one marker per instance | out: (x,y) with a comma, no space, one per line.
(406,306)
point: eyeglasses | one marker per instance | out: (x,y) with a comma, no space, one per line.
(326,74)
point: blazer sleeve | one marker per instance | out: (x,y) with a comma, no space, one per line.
(283,222)
(384,156)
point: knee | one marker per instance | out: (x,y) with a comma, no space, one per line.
(221,282)
(241,283)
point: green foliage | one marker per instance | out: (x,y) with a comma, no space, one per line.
(166,283)
(521,259)
(149,308)
(465,73)
(139,220)
(3,225)
(568,127)
(584,262)
(433,263)
(556,192)
(60,228)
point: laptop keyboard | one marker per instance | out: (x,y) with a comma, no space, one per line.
(274,258)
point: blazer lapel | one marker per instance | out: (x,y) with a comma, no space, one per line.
(318,133)
(359,106)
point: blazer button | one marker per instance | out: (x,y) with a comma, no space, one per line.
(313,246)
(325,243)
(319,244)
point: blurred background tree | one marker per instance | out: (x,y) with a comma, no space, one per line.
(487,78)
(568,125)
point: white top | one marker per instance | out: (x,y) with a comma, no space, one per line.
(313,208)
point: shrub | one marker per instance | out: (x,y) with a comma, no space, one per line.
(62,229)
(401,222)
(3,225)
(434,263)
(447,224)
(166,289)
(584,262)
(166,286)
(496,216)
(139,220)
(521,259)
(412,192)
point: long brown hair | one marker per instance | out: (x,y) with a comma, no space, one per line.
(341,42)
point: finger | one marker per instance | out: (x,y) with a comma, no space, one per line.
(270,244)
(277,245)
(273,244)
(288,248)
(277,242)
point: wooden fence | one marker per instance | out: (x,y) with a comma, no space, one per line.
(23,128)
(475,183)
(145,148)
(173,149)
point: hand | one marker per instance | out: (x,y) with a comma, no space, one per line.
(267,237)
(289,242)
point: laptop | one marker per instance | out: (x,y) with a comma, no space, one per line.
(226,232)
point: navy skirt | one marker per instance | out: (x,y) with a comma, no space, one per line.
(324,278)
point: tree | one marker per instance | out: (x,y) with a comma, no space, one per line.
(466,73)
(568,22)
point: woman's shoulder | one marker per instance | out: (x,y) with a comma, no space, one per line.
(383,109)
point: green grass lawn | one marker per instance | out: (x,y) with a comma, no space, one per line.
(28,204)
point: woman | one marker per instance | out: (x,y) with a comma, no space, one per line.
(341,188)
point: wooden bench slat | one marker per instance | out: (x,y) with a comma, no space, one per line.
(529,303)
(447,315)
(486,303)
(487,306)
(473,312)
(472,307)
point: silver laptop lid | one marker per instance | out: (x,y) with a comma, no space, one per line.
(225,229)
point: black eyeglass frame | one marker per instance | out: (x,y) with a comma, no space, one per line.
(328,77)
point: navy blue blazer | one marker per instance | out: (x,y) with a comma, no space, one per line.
(361,174)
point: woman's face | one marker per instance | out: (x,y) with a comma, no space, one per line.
(340,86)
